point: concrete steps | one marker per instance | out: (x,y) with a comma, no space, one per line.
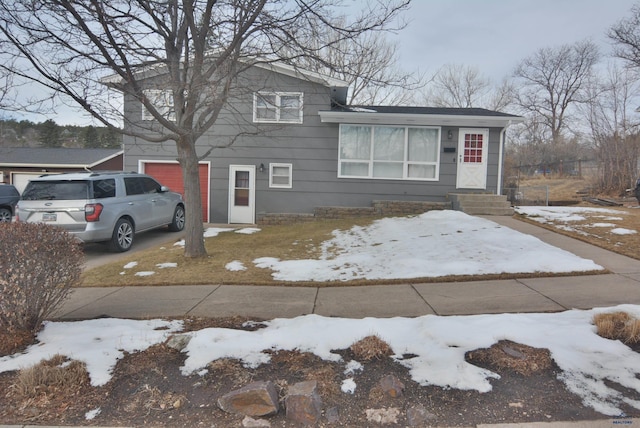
(480,204)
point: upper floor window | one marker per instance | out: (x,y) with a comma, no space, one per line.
(277,107)
(162,100)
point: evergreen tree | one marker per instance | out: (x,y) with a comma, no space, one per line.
(91,139)
(110,138)
(50,134)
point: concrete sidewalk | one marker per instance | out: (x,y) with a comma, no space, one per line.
(411,299)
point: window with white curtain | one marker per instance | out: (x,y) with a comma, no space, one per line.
(389,152)
(277,107)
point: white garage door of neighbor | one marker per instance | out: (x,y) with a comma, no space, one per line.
(21,179)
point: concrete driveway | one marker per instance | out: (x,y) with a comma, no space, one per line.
(99,254)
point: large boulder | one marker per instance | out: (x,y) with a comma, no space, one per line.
(303,403)
(255,399)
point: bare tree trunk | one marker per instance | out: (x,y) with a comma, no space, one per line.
(618,158)
(194,228)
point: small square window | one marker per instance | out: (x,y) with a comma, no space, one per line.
(280,175)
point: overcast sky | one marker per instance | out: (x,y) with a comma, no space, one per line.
(494,35)
(491,35)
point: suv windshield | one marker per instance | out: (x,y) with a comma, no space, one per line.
(58,190)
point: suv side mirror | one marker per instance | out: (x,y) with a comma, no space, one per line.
(163,189)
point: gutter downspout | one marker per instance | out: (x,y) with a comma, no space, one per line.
(500,159)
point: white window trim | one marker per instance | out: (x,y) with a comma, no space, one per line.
(405,161)
(281,165)
(278,96)
(167,108)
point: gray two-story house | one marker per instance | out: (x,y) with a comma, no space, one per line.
(297,146)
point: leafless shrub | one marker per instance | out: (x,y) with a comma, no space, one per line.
(54,376)
(14,341)
(618,326)
(38,266)
(371,348)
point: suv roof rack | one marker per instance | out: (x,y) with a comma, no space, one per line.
(89,173)
(98,173)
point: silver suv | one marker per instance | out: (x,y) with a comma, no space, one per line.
(106,207)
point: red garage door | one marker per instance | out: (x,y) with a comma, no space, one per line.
(170,175)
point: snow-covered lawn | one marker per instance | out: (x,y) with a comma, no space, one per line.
(434,244)
(589,364)
(580,220)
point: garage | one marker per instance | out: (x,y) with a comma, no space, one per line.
(21,179)
(169,174)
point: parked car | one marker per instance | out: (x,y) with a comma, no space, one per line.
(9,197)
(106,207)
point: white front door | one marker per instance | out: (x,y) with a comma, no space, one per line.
(242,194)
(473,148)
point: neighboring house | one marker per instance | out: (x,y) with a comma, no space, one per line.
(298,147)
(19,164)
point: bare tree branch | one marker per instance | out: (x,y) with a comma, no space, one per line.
(199,49)
(552,81)
(457,85)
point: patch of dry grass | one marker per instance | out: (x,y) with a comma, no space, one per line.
(559,188)
(507,355)
(618,326)
(371,348)
(55,376)
(290,242)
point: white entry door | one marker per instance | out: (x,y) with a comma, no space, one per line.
(473,148)
(242,194)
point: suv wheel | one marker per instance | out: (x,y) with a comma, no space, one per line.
(122,237)
(178,220)
(5,215)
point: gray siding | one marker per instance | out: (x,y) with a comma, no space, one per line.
(311,148)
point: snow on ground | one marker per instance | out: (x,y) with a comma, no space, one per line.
(98,343)
(145,273)
(212,232)
(434,244)
(566,218)
(622,231)
(248,230)
(565,214)
(167,265)
(235,266)
(590,365)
